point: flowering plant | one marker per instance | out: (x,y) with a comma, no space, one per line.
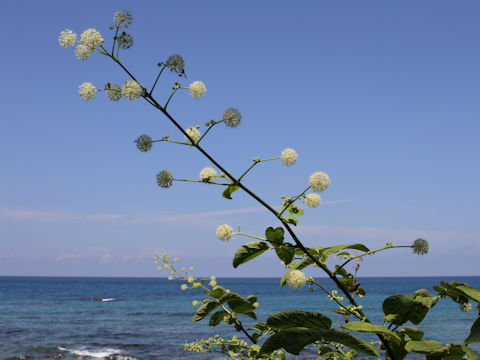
(286,331)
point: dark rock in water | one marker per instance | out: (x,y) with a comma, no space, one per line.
(96,299)
(20,357)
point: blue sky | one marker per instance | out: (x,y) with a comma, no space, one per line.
(383,96)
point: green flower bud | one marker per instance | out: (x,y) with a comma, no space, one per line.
(144,143)
(176,64)
(420,247)
(125,41)
(165,179)
(232,117)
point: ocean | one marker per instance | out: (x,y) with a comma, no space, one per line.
(150,318)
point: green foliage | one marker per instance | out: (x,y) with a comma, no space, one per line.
(351,341)
(298,318)
(413,333)
(206,308)
(293,340)
(362,326)
(275,236)
(474,335)
(399,309)
(229,190)
(249,251)
(285,252)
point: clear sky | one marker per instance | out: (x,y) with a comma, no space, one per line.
(383,96)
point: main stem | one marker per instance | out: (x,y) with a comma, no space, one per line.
(268,207)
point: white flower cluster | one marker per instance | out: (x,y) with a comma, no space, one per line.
(92,38)
(312,200)
(296,279)
(319,181)
(289,157)
(224,232)
(194,133)
(67,38)
(87,91)
(83,52)
(197,89)
(131,90)
(466,307)
(208,174)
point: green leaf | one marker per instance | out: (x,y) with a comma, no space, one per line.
(421,292)
(306,261)
(251,314)
(413,333)
(206,308)
(426,347)
(291,220)
(406,308)
(285,252)
(275,236)
(217,292)
(471,354)
(249,251)
(326,252)
(474,333)
(471,292)
(229,297)
(240,306)
(293,340)
(229,190)
(361,326)
(299,318)
(295,210)
(216,318)
(251,298)
(352,342)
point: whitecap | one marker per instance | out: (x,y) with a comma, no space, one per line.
(90,352)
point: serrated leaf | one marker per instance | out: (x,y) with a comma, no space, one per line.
(275,236)
(249,251)
(216,318)
(293,340)
(474,335)
(361,326)
(229,190)
(285,252)
(299,318)
(206,308)
(290,220)
(352,342)
(413,333)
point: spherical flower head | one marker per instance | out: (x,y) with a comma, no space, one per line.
(83,52)
(466,307)
(319,181)
(184,287)
(194,133)
(125,41)
(420,247)
(176,63)
(87,91)
(195,303)
(144,143)
(208,174)
(212,283)
(312,200)
(67,38)
(114,92)
(91,38)
(232,117)
(131,90)
(191,279)
(165,179)
(197,89)
(289,157)
(122,19)
(224,232)
(296,279)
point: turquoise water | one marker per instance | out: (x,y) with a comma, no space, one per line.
(150,318)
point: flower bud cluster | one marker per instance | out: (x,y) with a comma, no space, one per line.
(197,89)
(333,296)
(296,279)
(224,232)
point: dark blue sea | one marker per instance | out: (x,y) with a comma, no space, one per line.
(150,318)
